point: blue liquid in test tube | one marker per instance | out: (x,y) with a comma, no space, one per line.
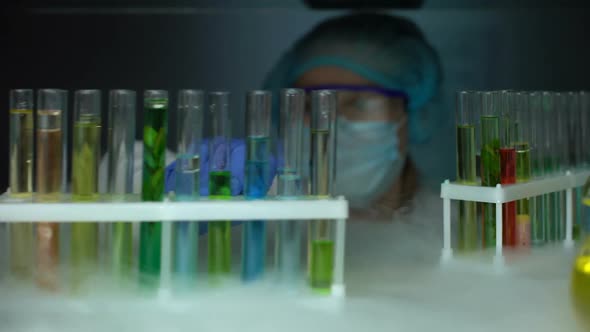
(289,185)
(257,180)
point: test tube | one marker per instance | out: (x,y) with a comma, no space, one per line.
(85,163)
(257,180)
(188,169)
(120,174)
(65,132)
(490,161)
(155,130)
(467,102)
(323,146)
(539,208)
(575,128)
(552,200)
(584,109)
(289,171)
(507,165)
(522,139)
(51,118)
(559,155)
(581,192)
(219,233)
(21,178)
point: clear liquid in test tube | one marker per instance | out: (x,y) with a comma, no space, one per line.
(539,208)
(522,145)
(121,138)
(188,170)
(289,175)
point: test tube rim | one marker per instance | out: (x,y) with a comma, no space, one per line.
(147,96)
(41,94)
(18,91)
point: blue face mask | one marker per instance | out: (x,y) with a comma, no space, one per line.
(368,160)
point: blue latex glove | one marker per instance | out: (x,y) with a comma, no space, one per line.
(237,168)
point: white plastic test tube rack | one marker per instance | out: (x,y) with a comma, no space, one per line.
(508,193)
(237,209)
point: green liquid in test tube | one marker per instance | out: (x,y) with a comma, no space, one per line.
(323,137)
(154,162)
(219,232)
(468,103)
(85,163)
(122,108)
(490,161)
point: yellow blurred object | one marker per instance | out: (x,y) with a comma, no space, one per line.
(581,284)
(581,273)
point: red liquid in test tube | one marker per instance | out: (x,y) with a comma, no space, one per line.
(508,176)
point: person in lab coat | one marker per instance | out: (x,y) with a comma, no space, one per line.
(386,73)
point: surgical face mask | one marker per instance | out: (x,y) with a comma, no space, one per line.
(368,160)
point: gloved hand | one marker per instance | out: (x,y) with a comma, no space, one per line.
(237,168)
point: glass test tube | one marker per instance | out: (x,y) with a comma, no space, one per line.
(323,146)
(51,119)
(21,178)
(467,102)
(585,218)
(257,180)
(572,105)
(188,169)
(155,130)
(85,163)
(490,161)
(580,208)
(522,139)
(552,212)
(538,209)
(219,233)
(290,169)
(559,155)
(584,136)
(507,165)
(121,139)
(575,128)
(573,109)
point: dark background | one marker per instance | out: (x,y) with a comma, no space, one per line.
(230,45)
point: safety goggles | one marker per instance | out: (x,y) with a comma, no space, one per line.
(364,103)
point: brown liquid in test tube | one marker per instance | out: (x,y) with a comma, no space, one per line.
(49,179)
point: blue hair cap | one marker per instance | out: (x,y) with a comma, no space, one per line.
(389,51)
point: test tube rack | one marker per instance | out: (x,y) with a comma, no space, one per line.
(507,193)
(236,209)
